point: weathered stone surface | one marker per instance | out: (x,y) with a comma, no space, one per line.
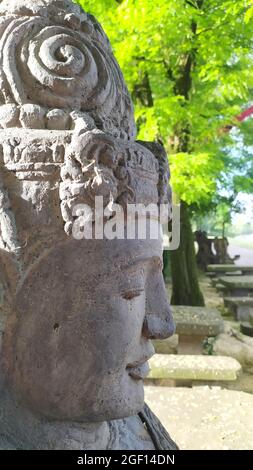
(2,326)
(32,116)
(242,282)
(9,115)
(81,312)
(197,321)
(229,268)
(244,301)
(240,307)
(234,344)
(221,289)
(210,368)
(233,347)
(58,119)
(166,346)
(193,324)
(203,418)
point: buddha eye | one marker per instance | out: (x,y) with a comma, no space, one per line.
(131,294)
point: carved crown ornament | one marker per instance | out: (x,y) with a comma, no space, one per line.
(68,65)
(67,129)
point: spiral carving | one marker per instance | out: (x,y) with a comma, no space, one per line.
(55,55)
(56,66)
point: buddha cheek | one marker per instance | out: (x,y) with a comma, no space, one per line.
(118,338)
(125,330)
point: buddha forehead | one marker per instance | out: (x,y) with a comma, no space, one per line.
(117,254)
(99,260)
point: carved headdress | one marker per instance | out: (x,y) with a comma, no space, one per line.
(65,65)
(58,76)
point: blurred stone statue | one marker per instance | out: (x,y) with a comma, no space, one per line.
(221,246)
(79,313)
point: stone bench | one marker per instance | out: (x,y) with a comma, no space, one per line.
(166,346)
(215,281)
(211,275)
(237,286)
(240,307)
(219,269)
(193,325)
(178,370)
(221,289)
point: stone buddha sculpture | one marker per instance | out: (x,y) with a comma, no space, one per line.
(79,313)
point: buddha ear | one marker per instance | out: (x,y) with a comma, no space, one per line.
(9,276)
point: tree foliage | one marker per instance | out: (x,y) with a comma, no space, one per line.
(188,65)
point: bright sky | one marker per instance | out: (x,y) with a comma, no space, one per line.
(247,215)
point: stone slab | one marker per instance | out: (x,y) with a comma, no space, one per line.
(234,273)
(221,289)
(191,344)
(240,282)
(213,419)
(211,275)
(166,346)
(229,268)
(200,321)
(245,301)
(234,344)
(187,367)
(240,307)
(214,281)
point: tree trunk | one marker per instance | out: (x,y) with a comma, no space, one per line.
(185,285)
(223,229)
(184,272)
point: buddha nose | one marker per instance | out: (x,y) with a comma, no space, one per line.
(158,322)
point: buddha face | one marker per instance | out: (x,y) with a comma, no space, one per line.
(79,338)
